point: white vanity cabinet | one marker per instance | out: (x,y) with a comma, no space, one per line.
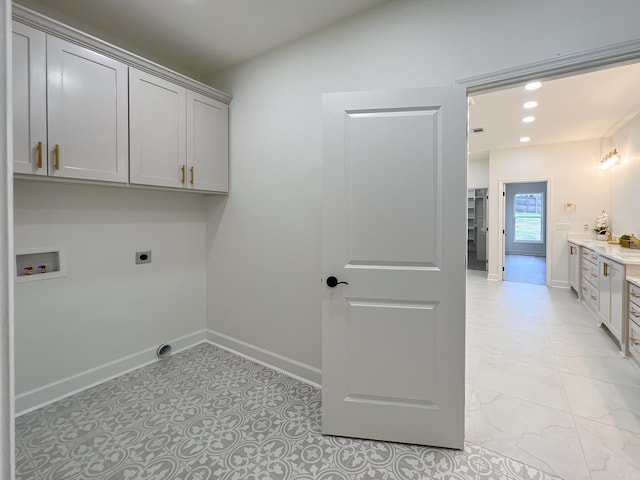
(589,279)
(70,109)
(633,308)
(611,283)
(574,267)
(179,138)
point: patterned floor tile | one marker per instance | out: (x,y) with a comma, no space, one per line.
(207,414)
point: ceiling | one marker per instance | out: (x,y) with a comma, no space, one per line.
(588,106)
(199,37)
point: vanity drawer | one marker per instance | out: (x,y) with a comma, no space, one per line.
(634,339)
(594,273)
(593,297)
(634,312)
(634,295)
(586,254)
(594,257)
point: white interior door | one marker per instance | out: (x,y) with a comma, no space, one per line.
(394,216)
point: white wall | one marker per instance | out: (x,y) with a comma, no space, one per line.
(574,176)
(478,173)
(264,241)
(106,307)
(625,180)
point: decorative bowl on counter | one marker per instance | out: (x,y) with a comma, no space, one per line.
(629,241)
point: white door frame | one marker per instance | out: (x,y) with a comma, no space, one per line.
(502,216)
(565,66)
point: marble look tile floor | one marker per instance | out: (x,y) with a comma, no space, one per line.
(546,385)
(207,414)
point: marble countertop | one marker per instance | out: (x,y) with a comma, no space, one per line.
(634,280)
(612,252)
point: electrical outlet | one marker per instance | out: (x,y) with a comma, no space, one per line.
(143,257)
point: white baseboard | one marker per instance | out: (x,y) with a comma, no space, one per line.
(493,277)
(286,365)
(560,284)
(41,396)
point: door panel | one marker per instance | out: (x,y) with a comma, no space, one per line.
(207,143)
(374,208)
(88,117)
(29,100)
(158,131)
(394,213)
(513,246)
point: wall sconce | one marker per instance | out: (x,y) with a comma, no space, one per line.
(610,159)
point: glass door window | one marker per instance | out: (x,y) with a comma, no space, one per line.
(528,212)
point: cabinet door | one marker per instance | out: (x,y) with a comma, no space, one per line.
(604,291)
(29,100)
(87,124)
(617,274)
(207,143)
(158,131)
(574,267)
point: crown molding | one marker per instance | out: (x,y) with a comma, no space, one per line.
(58,29)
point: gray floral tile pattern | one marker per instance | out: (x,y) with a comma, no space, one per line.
(207,414)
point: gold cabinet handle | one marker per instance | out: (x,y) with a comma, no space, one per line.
(57,157)
(39,154)
(182,171)
(634,294)
(634,313)
(593,298)
(606,269)
(193,175)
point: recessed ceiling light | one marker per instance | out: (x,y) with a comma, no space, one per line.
(531,104)
(529,119)
(532,86)
(525,139)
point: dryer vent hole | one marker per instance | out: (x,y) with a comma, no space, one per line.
(163,350)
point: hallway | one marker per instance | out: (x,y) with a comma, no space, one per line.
(546,385)
(525,269)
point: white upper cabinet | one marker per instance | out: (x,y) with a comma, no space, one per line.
(87,106)
(29,100)
(158,131)
(87,110)
(207,143)
(179,138)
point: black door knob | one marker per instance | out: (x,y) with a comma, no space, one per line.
(333,281)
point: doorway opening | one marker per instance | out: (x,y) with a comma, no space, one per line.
(525,237)
(477,199)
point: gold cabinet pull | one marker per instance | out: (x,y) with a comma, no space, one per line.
(634,313)
(182,171)
(57,157)
(634,294)
(39,154)
(606,271)
(193,175)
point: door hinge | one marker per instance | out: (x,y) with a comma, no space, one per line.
(503,269)
(503,232)
(504,194)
